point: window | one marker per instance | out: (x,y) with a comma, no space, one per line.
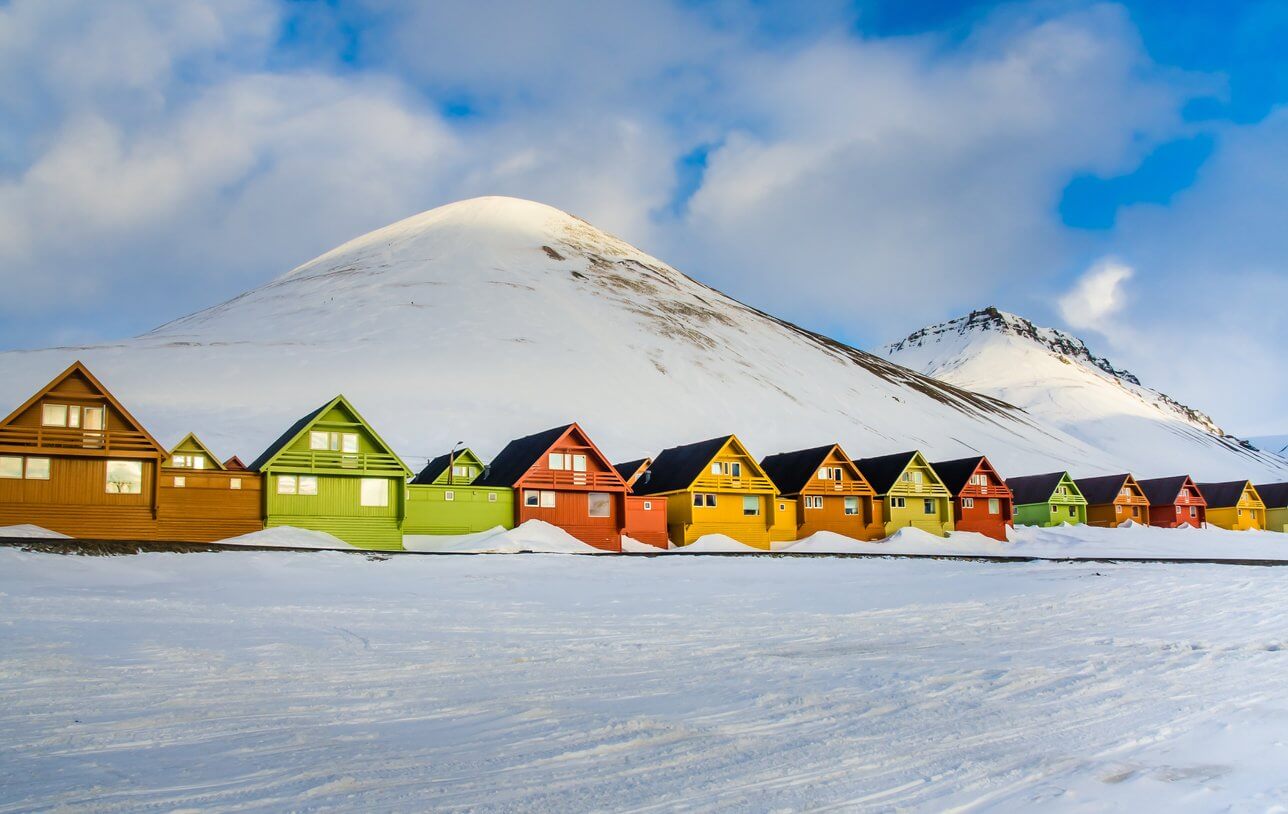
(1194,512)
(568,461)
(1178,509)
(93,418)
(308,484)
(349,443)
(917,477)
(851,505)
(124,477)
(813,501)
(1124,492)
(1055,509)
(287,485)
(537,499)
(462,472)
(234,483)
(599,504)
(994,506)
(750,505)
(180,481)
(375,492)
(491,497)
(716,468)
(1118,509)
(648,505)
(54,415)
(1240,513)
(1185,492)
(10,467)
(928,506)
(333,441)
(782,507)
(700,499)
(1072,511)
(448,495)
(547,500)
(898,502)
(37,469)
(830,473)
(968,503)
(186,461)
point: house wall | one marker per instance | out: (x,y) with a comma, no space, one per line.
(646,520)
(726,518)
(1174,515)
(1112,515)
(1041,514)
(336,509)
(866,525)
(1230,518)
(939,520)
(206,508)
(571,513)
(1277,519)
(470,510)
(991,513)
(75,501)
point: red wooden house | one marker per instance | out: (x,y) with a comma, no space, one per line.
(560,476)
(645,516)
(982,502)
(1174,502)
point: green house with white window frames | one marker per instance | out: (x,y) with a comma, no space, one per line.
(443,498)
(332,472)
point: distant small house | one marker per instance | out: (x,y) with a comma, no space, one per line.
(234,464)
(717,487)
(645,516)
(444,498)
(981,498)
(560,477)
(830,492)
(75,461)
(1234,505)
(1175,502)
(1113,500)
(201,500)
(910,492)
(332,472)
(1051,499)
(1275,498)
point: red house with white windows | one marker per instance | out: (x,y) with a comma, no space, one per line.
(559,476)
(982,502)
(1175,502)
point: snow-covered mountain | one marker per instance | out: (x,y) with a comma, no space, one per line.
(1277,444)
(1059,380)
(495,317)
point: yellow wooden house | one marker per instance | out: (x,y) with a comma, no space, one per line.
(717,487)
(911,494)
(1234,505)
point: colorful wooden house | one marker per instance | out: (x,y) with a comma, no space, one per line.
(1175,502)
(1275,498)
(831,493)
(1234,505)
(234,464)
(560,477)
(73,460)
(443,498)
(910,493)
(1113,500)
(1047,500)
(331,472)
(717,487)
(203,501)
(645,516)
(982,502)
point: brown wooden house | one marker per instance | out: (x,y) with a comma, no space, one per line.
(831,493)
(73,460)
(203,501)
(1113,500)
(982,502)
(562,478)
(1175,502)
(645,516)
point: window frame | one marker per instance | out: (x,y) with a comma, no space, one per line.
(745,512)
(607,500)
(364,483)
(12,460)
(107,473)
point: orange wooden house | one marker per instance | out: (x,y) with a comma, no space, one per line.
(645,516)
(1175,502)
(73,460)
(202,500)
(831,493)
(562,478)
(1113,500)
(982,502)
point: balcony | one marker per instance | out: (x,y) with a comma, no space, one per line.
(728,483)
(566,479)
(317,460)
(94,442)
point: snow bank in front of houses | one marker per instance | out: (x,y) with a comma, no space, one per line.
(27,530)
(532,537)
(716,544)
(288,537)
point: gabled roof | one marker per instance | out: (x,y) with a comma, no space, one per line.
(437,466)
(1274,495)
(1224,495)
(956,473)
(677,468)
(632,469)
(299,427)
(791,471)
(519,456)
(1103,489)
(78,367)
(234,464)
(1035,488)
(1164,491)
(191,438)
(883,471)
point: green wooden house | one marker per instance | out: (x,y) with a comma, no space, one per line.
(910,492)
(1047,500)
(332,472)
(442,499)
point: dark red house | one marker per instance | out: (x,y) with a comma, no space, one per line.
(982,502)
(559,476)
(1175,502)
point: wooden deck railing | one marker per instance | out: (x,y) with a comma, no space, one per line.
(104,441)
(557,478)
(313,459)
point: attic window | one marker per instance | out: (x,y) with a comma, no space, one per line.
(55,415)
(333,441)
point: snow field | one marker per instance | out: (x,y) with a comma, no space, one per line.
(263,681)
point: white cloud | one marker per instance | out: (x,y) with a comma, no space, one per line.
(1098,297)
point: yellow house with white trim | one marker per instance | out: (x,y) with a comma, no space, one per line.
(1234,505)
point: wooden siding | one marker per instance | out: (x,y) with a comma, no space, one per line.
(991,513)
(1133,507)
(868,524)
(337,510)
(1277,520)
(1066,505)
(571,510)
(470,510)
(206,508)
(938,521)
(646,520)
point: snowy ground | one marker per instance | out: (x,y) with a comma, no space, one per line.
(263,681)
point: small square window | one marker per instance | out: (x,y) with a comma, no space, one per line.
(308,484)
(491,497)
(287,485)
(53,415)
(648,505)
(180,481)
(449,495)
(750,505)
(375,493)
(10,467)
(37,469)
(532,498)
(234,483)
(547,500)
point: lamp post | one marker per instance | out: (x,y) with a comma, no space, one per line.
(451,464)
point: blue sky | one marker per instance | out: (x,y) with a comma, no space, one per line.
(864,168)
